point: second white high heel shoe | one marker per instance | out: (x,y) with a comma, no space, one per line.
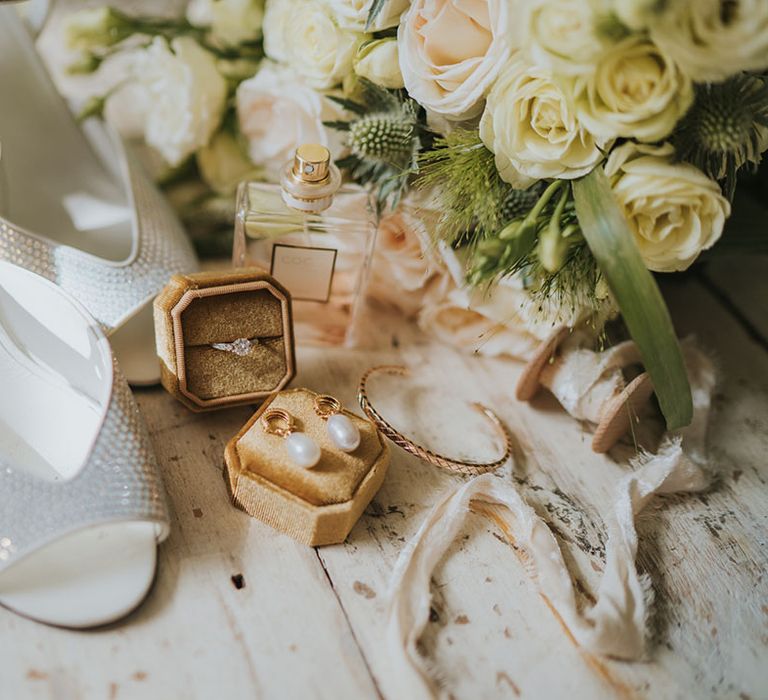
(79,210)
(81,502)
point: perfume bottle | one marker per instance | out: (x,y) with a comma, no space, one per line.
(316,237)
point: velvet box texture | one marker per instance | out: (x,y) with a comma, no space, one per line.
(198,310)
(316,506)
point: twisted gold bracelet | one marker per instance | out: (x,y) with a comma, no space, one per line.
(452,465)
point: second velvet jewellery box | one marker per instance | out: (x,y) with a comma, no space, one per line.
(224,338)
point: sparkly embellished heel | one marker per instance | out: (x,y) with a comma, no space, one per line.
(76,208)
(81,503)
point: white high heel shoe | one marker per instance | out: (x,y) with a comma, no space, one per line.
(81,502)
(79,210)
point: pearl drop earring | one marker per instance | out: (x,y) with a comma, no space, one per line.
(342,431)
(301,448)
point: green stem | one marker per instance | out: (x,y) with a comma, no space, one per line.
(172,28)
(563,201)
(542,202)
(612,243)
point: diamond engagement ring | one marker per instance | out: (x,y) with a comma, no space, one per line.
(241,346)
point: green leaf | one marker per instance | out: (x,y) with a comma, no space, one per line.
(347,162)
(336,124)
(93,108)
(637,294)
(379,99)
(373,13)
(349,105)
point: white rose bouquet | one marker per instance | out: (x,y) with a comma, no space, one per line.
(570,148)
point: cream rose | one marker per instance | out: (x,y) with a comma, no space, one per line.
(503,321)
(304,34)
(674,210)
(186,96)
(713,39)
(560,35)
(637,14)
(530,125)
(404,263)
(353,14)
(277,111)
(232,22)
(378,62)
(448,316)
(451,52)
(223,164)
(635,91)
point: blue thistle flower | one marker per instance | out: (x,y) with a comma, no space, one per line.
(726,129)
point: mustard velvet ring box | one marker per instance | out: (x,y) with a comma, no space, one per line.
(224,338)
(317,506)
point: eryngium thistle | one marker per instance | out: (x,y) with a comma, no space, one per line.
(726,128)
(517,203)
(386,137)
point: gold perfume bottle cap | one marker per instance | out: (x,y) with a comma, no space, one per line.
(311,179)
(311,162)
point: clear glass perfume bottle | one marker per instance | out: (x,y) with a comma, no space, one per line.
(316,237)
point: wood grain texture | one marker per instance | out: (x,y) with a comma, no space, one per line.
(241,610)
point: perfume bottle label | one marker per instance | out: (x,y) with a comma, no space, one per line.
(307,272)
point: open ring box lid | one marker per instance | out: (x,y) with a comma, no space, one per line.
(316,506)
(197,311)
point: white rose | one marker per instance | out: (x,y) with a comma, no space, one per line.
(276,30)
(303,34)
(530,125)
(451,52)
(126,109)
(378,62)
(637,14)
(713,39)
(199,13)
(353,14)
(277,112)
(232,22)
(635,91)
(223,163)
(674,210)
(186,96)
(560,35)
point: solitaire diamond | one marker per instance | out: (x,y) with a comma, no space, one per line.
(241,346)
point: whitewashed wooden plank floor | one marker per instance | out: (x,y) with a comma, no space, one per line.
(239,611)
(309,623)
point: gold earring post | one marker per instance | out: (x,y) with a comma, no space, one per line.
(326,406)
(277,421)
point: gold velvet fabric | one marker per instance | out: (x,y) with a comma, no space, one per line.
(214,378)
(315,506)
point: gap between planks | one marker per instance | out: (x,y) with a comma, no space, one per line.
(352,632)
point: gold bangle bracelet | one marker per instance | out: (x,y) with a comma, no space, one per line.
(452,465)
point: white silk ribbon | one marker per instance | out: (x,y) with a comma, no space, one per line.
(615,625)
(583,381)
